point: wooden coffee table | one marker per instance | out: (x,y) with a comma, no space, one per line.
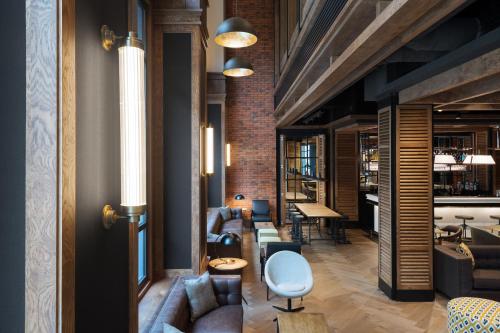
(302,322)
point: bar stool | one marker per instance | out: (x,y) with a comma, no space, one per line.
(495,217)
(292,215)
(464,225)
(291,210)
(297,227)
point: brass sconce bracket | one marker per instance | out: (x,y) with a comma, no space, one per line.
(110,216)
(108,37)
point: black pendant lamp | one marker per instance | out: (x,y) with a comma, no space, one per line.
(235,32)
(237,67)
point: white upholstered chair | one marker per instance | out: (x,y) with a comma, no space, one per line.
(288,275)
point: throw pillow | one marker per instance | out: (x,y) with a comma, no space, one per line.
(226,213)
(462,248)
(200,295)
(170,329)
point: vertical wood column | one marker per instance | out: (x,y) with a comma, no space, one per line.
(187,17)
(346,174)
(406,202)
(385,200)
(414,199)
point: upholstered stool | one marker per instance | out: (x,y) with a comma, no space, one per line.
(495,217)
(470,314)
(267,239)
(267,233)
(464,225)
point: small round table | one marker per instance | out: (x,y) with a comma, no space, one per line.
(228,264)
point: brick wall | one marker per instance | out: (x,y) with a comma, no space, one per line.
(250,124)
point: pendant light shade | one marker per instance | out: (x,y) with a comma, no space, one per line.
(444,159)
(479,160)
(237,67)
(235,32)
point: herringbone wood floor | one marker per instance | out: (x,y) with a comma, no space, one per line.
(345,290)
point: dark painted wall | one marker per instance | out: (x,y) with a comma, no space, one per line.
(177,145)
(215,180)
(12,167)
(101,255)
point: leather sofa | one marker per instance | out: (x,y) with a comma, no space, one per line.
(227,318)
(455,277)
(217,226)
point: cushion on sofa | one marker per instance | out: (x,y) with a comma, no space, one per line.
(225,319)
(486,278)
(486,256)
(225,212)
(201,295)
(462,248)
(236,213)
(214,221)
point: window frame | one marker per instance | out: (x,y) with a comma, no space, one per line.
(144,285)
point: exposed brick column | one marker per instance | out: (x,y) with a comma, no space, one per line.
(250,125)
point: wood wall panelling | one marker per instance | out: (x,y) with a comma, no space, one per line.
(414,199)
(68,170)
(385,197)
(42,224)
(346,174)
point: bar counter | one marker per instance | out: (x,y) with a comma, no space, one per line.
(481,208)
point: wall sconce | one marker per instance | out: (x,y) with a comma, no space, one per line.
(132,127)
(209,141)
(228,154)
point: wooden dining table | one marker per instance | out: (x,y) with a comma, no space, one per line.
(316,211)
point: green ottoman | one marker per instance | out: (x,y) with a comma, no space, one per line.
(471,315)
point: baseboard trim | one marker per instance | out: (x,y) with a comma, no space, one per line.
(414,295)
(386,289)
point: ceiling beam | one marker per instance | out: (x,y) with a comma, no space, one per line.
(468,107)
(475,78)
(396,25)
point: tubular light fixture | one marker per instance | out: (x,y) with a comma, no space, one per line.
(235,32)
(228,154)
(237,67)
(132,127)
(441,167)
(444,159)
(209,140)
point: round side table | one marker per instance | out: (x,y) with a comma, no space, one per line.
(228,264)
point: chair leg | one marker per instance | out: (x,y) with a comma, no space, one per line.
(267,293)
(289,307)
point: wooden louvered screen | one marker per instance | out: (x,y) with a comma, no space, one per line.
(384,194)
(346,174)
(320,151)
(414,206)
(496,171)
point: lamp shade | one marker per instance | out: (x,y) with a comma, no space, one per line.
(132,123)
(209,150)
(237,67)
(444,159)
(235,32)
(479,160)
(239,197)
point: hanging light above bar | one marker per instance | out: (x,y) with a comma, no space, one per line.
(444,159)
(479,160)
